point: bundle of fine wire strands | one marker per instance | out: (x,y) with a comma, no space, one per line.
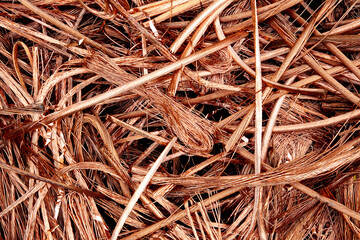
(179,119)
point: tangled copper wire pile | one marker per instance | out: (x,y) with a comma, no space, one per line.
(179,119)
